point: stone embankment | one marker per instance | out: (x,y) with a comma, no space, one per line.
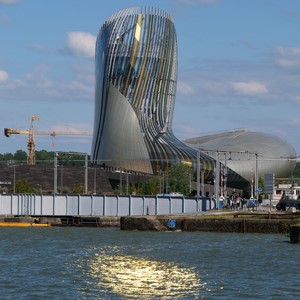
(68,221)
(262,222)
(214,221)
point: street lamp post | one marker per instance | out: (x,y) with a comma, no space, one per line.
(127,184)
(225,176)
(86,174)
(198,173)
(14,166)
(121,183)
(217,179)
(256,177)
(95,174)
(61,177)
(55,173)
(86,170)
(209,183)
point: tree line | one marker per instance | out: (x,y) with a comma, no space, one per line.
(43,157)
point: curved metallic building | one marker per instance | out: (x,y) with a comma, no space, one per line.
(136,77)
(244,151)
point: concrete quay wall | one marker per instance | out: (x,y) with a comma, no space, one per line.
(240,224)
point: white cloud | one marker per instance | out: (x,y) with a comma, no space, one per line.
(214,87)
(39,80)
(287,51)
(3,76)
(250,88)
(185,88)
(9,2)
(81,43)
(288,57)
(295,121)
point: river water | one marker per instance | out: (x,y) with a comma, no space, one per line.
(93,263)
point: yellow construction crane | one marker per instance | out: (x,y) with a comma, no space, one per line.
(31,134)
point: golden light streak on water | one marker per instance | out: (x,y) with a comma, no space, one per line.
(128,276)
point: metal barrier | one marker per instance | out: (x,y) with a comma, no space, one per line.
(100,205)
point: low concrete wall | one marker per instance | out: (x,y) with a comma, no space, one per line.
(213,224)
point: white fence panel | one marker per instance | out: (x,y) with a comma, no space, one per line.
(60,205)
(85,205)
(176,205)
(6,206)
(37,204)
(124,205)
(163,205)
(72,205)
(98,202)
(150,205)
(137,206)
(47,205)
(111,206)
(190,205)
(100,205)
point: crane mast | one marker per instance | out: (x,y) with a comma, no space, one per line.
(31,142)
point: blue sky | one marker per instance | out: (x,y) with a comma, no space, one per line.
(239,67)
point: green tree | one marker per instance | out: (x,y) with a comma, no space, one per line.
(78,189)
(44,157)
(20,155)
(152,186)
(7,157)
(22,186)
(296,173)
(179,178)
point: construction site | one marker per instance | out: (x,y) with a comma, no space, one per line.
(57,176)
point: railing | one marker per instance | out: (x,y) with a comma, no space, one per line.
(100,205)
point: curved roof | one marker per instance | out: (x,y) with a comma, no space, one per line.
(242,148)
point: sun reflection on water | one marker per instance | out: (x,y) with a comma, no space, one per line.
(137,277)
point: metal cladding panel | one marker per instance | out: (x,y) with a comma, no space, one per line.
(136,79)
(136,63)
(122,138)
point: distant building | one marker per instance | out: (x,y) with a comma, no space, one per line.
(136,78)
(243,151)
